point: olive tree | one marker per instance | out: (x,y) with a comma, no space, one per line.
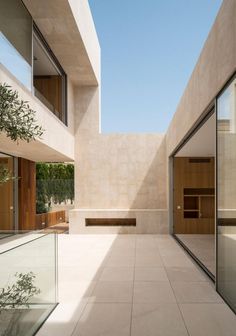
(17,121)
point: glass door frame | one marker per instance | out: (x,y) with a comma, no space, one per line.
(227,84)
(211,109)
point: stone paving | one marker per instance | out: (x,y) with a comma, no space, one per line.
(134,285)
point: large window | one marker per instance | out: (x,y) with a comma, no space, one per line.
(226,171)
(49,79)
(16,40)
(39,69)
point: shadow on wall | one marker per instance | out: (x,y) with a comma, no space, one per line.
(152,194)
(86,110)
(118,171)
(152,191)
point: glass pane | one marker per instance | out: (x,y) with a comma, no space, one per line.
(226,143)
(6,194)
(194,194)
(27,261)
(16,40)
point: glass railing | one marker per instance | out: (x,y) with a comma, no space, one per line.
(28,282)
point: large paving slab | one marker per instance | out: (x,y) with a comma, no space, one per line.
(133,285)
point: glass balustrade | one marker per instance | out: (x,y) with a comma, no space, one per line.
(28,282)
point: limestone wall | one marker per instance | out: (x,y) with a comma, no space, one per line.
(127,174)
(117,174)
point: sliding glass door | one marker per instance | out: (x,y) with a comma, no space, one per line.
(226,194)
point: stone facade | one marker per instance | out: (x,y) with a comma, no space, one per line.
(125,175)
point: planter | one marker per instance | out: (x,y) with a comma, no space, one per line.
(45,220)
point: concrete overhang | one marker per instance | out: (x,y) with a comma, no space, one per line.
(68,28)
(34,150)
(57,141)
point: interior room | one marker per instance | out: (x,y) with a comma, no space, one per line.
(48,80)
(194,195)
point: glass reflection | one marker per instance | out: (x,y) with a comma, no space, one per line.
(226,141)
(16,40)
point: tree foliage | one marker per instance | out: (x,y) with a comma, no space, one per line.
(55,182)
(17,119)
(5,174)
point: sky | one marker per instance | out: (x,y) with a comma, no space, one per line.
(148,51)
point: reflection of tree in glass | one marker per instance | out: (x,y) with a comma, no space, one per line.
(14,299)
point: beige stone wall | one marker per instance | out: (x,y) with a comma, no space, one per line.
(126,175)
(217,62)
(121,172)
(117,174)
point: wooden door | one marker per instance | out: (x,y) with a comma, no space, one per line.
(6,198)
(27,194)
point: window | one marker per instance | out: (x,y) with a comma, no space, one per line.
(29,59)
(49,79)
(16,40)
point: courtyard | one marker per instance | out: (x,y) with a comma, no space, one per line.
(122,285)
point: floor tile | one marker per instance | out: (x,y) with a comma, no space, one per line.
(63,320)
(109,271)
(112,291)
(157,320)
(203,246)
(79,273)
(145,260)
(177,260)
(104,319)
(124,251)
(117,274)
(72,291)
(185,274)
(150,274)
(153,291)
(209,319)
(123,244)
(171,251)
(193,292)
(120,261)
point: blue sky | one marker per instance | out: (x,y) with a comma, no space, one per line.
(149,49)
